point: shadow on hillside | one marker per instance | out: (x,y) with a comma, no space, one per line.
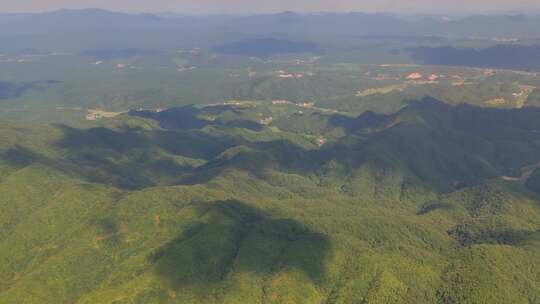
(467,236)
(232,237)
(19,157)
(91,169)
(192,144)
(187,118)
(433,206)
(280,155)
(366,120)
(446,147)
(451,147)
(134,159)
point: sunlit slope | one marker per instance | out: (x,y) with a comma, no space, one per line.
(395,211)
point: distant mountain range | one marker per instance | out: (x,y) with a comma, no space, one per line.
(517,57)
(170,30)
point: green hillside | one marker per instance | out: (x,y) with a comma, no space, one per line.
(431,204)
(279,158)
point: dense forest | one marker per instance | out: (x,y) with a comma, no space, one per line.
(427,205)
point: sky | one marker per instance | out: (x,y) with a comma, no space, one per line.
(263,6)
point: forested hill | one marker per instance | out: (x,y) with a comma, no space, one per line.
(431,204)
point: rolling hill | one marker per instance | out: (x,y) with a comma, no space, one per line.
(429,204)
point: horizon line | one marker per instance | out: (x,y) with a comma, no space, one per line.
(276,12)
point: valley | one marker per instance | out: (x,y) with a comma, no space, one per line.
(328,158)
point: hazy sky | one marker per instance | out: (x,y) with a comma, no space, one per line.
(257,6)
